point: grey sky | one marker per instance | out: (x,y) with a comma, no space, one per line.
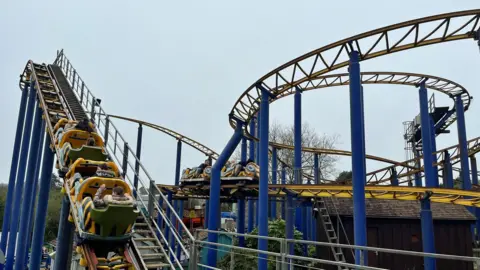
(184,64)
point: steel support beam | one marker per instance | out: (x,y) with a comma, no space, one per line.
(426,213)
(462,142)
(13,170)
(358,157)
(214,199)
(434,149)
(251,155)
(297,150)
(41,214)
(241,201)
(273,204)
(447,171)
(64,237)
(138,153)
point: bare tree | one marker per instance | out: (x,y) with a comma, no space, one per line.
(285,135)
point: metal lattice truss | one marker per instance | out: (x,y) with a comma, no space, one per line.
(184,139)
(404,171)
(439,195)
(305,70)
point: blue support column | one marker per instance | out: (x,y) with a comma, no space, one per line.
(241,201)
(473,163)
(251,155)
(273,207)
(316,170)
(64,237)
(297,151)
(462,141)
(22,169)
(358,158)
(137,161)
(41,214)
(159,217)
(207,206)
(34,195)
(33,158)
(263,185)
(214,207)
(176,204)
(426,213)
(434,149)
(284,180)
(394,177)
(447,171)
(168,215)
(13,171)
(180,214)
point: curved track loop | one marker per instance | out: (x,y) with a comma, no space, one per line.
(440,195)
(442,85)
(302,71)
(200,147)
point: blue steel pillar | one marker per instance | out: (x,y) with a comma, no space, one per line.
(241,201)
(137,160)
(273,207)
(297,151)
(434,149)
(447,171)
(462,142)
(64,237)
(12,238)
(426,213)
(214,199)
(358,158)
(418,179)
(13,171)
(33,159)
(284,180)
(177,203)
(41,214)
(473,163)
(207,206)
(180,214)
(251,156)
(263,185)
(316,171)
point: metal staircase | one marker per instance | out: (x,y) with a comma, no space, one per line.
(329,229)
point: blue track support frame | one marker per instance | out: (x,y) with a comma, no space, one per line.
(13,170)
(462,141)
(297,150)
(27,202)
(137,161)
(214,199)
(448,171)
(273,204)
(394,177)
(34,194)
(177,204)
(358,157)
(241,201)
(180,214)
(473,164)
(251,156)
(41,214)
(257,159)
(264,177)
(64,237)
(207,206)
(316,170)
(168,216)
(426,213)
(17,199)
(434,149)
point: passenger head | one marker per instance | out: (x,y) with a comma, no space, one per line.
(118,191)
(103,166)
(91,141)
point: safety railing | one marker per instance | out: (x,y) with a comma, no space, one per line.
(132,169)
(283,260)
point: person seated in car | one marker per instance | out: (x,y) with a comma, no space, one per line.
(84,125)
(202,166)
(118,197)
(68,126)
(240,166)
(90,141)
(104,171)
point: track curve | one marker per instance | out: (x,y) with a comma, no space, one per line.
(300,71)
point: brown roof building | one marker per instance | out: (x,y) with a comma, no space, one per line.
(396,224)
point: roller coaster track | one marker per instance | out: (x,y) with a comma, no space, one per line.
(303,71)
(440,195)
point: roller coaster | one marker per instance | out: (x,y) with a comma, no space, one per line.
(139,225)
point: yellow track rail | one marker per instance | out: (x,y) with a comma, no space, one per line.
(439,195)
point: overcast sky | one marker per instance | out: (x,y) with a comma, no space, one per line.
(183,65)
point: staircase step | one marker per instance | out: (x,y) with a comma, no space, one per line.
(148,247)
(156,265)
(142,239)
(140,224)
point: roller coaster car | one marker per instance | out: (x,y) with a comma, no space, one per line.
(235,172)
(115,221)
(64,121)
(196,176)
(69,155)
(83,168)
